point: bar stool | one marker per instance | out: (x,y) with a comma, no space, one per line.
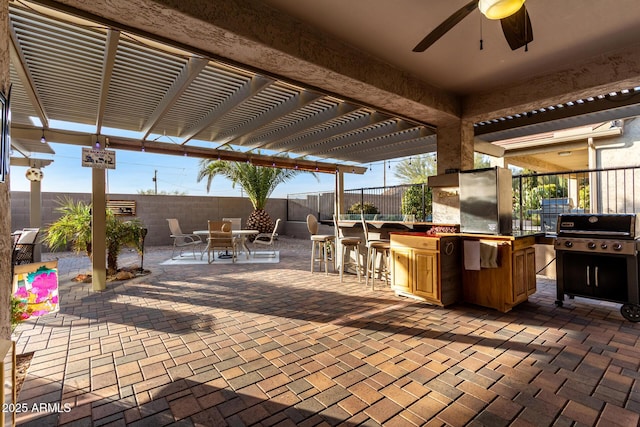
(347,245)
(375,248)
(322,243)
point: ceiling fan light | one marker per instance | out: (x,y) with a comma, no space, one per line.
(498,9)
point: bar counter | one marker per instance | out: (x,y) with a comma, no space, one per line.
(442,268)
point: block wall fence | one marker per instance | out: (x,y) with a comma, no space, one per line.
(153,210)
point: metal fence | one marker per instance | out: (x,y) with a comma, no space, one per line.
(400,201)
(537,198)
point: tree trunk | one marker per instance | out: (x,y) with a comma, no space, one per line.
(112,261)
(261,221)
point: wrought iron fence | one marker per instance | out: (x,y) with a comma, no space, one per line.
(537,198)
(396,202)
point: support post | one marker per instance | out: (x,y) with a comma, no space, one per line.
(35,214)
(99,230)
(339,194)
(455,153)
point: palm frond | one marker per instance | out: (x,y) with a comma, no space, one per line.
(258,182)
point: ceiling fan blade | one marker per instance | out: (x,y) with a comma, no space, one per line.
(448,24)
(517,29)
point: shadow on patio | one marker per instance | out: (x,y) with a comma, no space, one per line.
(221,345)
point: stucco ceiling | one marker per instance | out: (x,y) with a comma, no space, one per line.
(565,32)
(356,53)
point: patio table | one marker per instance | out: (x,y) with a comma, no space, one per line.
(243,234)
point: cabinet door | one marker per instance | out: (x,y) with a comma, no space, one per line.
(519,283)
(530,267)
(577,274)
(609,278)
(524,274)
(400,273)
(426,275)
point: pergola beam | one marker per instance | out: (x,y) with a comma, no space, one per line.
(87,140)
(188,74)
(19,62)
(243,135)
(232,156)
(111,48)
(247,90)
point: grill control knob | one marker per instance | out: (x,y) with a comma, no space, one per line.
(604,246)
(617,246)
(568,244)
(591,245)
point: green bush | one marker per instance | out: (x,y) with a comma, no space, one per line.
(584,200)
(74,228)
(366,208)
(412,202)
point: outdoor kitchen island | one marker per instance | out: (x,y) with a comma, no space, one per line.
(446,268)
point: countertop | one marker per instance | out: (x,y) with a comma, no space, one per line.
(515,235)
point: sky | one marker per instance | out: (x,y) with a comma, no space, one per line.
(135,171)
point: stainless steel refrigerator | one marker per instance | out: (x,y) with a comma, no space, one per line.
(486,201)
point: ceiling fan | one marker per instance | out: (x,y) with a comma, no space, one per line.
(512,14)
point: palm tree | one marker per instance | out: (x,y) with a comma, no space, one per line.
(416,170)
(258,182)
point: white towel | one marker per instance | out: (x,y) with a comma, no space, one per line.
(488,254)
(472,255)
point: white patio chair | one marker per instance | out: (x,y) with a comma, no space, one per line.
(323,246)
(236,223)
(182,240)
(268,239)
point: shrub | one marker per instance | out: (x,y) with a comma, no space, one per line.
(20,310)
(74,227)
(366,208)
(412,202)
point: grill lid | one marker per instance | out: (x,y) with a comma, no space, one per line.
(624,226)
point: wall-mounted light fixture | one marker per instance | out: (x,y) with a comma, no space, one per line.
(564,153)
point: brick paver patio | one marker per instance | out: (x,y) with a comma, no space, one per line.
(274,345)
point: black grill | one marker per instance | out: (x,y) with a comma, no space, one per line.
(623,226)
(597,257)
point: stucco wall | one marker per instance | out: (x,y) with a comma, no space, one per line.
(623,150)
(617,190)
(192,211)
(6,242)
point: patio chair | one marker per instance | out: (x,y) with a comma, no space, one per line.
(268,239)
(347,245)
(374,248)
(182,240)
(236,223)
(322,243)
(220,237)
(24,245)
